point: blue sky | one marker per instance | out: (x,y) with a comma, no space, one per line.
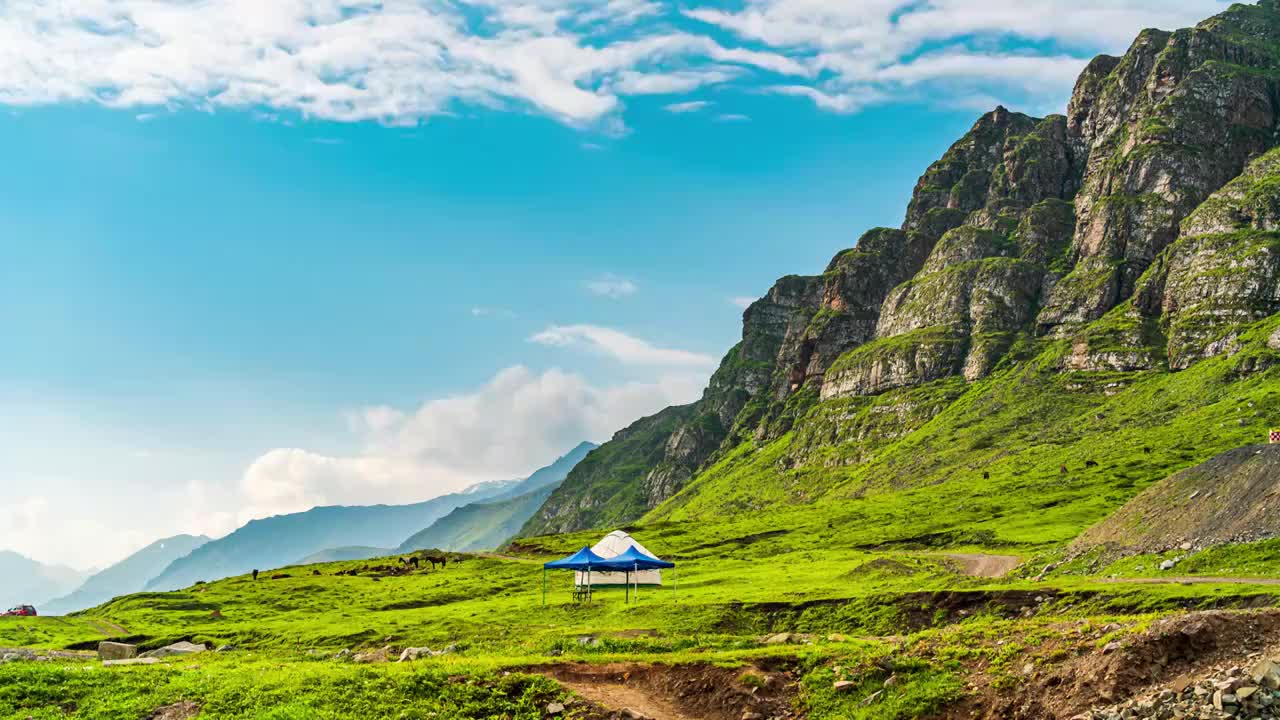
(434,248)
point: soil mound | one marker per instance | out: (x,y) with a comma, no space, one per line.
(1231,498)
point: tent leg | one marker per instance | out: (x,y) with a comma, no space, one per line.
(628,595)
(544,587)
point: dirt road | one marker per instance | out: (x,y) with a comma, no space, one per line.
(987,566)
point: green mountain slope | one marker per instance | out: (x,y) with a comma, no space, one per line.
(487,525)
(480,526)
(1073,308)
(345,554)
(127,576)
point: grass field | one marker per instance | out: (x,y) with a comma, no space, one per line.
(738,583)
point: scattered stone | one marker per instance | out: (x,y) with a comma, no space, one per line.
(413,653)
(178,648)
(1111,647)
(843,685)
(1231,694)
(589,641)
(116,651)
(342,654)
(872,698)
(132,661)
(779,639)
(1168,564)
(750,715)
(226,648)
(634,714)
(555,708)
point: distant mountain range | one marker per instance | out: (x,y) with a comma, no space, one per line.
(337,533)
(487,525)
(481,517)
(284,539)
(24,581)
(127,576)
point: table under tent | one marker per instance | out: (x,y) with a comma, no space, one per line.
(630,563)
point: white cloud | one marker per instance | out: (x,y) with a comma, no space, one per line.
(26,523)
(742,302)
(687,107)
(512,425)
(401,61)
(611,286)
(620,346)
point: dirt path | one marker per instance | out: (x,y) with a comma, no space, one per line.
(987,566)
(1194,581)
(617,697)
(691,691)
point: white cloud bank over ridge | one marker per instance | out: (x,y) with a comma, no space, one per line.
(516,422)
(402,61)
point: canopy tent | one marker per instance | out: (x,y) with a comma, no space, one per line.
(633,559)
(612,545)
(633,563)
(629,564)
(581,561)
(584,559)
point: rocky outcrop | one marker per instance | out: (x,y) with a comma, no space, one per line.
(1126,235)
(1161,129)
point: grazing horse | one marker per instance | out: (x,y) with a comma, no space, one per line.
(986,476)
(1090,463)
(434,559)
(255,575)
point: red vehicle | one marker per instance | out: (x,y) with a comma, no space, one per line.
(21,611)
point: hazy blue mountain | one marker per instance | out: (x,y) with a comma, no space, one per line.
(285,539)
(24,581)
(127,576)
(487,525)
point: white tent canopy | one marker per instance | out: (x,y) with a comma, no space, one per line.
(614,544)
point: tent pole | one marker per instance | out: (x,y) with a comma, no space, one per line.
(675,586)
(628,584)
(544,587)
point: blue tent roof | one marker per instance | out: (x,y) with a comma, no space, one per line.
(584,559)
(633,559)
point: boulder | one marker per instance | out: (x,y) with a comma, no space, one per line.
(178,648)
(779,639)
(116,651)
(1167,565)
(555,708)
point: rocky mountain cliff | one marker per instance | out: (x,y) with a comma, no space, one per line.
(1135,234)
